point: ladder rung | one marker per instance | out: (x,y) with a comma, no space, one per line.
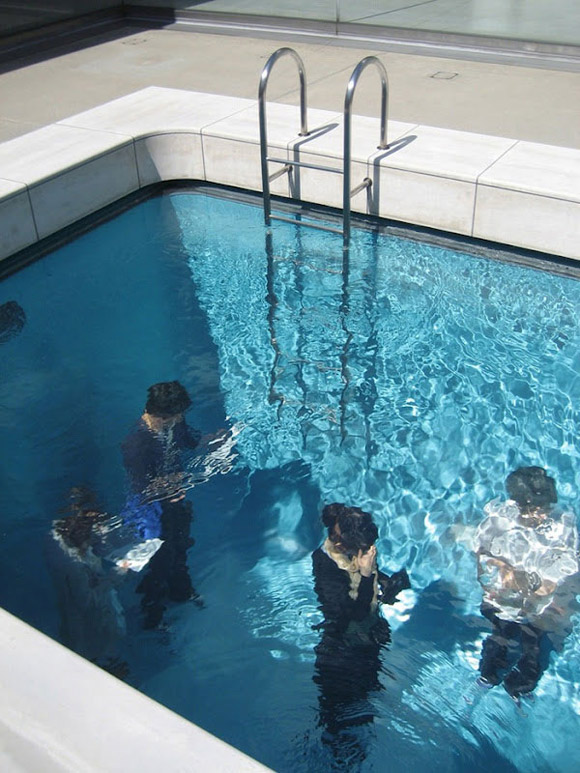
(306,223)
(275,175)
(366,183)
(304,164)
(287,164)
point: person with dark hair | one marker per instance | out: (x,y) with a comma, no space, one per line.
(350,588)
(151,452)
(12,320)
(153,457)
(92,621)
(526,553)
(347,580)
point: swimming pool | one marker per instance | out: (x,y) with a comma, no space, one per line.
(409,380)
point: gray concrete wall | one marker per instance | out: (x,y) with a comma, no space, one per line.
(552,21)
(556,22)
(23,15)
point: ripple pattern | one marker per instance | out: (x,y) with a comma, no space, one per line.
(412,379)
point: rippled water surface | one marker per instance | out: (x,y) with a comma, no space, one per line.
(408,380)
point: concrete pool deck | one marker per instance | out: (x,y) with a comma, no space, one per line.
(513,192)
(533,103)
(473,152)
(90,721)
(501,143)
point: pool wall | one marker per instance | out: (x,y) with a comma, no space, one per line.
(59,712)
(513,192)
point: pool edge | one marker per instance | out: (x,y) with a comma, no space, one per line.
(69,715)
(522,194)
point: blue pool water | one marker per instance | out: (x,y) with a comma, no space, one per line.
(409,381)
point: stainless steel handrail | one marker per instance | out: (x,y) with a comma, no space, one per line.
(350,89)
(288,164)
(262,113)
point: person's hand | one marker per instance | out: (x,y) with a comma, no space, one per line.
(546,588)
(173,485)
(366,561)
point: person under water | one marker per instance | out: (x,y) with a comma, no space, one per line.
(92,620)
(528,564)
(157,507)
(350,589)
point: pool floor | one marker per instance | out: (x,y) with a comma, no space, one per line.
(404,378)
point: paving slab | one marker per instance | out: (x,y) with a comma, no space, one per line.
(524,103)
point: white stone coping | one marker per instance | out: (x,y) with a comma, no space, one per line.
(60,713)
(518,193)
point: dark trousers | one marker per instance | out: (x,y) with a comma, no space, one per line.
(346,671)
(167,576)
(499,657)
(345,676)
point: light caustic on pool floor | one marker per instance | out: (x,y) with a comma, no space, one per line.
(411,384)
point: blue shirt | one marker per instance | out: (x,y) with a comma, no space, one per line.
(148,455)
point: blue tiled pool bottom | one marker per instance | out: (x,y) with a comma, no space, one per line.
(408,380)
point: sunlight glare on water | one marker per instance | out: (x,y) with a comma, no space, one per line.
(411,380)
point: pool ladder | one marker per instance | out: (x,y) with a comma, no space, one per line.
(288,165)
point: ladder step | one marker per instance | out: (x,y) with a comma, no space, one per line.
(366,183)
(293,221)
(275,175)
(288,162)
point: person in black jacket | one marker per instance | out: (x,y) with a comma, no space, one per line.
(157,508)
(350,588)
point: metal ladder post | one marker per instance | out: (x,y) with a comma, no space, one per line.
(347,193)
(288,165)
(266,178)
